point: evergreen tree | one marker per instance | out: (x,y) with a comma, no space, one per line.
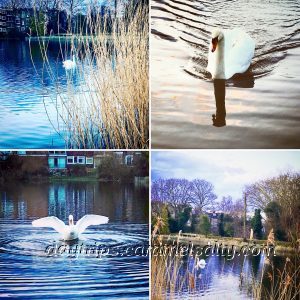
(165,218)
(204,225)
(221,225)
(183,217)
(173,224)
(257,224)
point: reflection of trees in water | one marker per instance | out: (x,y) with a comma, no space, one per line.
(70,199)
(220,271)
(120,202)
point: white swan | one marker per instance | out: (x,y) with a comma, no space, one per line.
(71,231)
(200,263)
(69,64)
(230,52)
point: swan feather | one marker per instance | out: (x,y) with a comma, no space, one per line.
(89,220)
(52,222)
(238,49)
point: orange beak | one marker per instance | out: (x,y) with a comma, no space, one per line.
(214,43)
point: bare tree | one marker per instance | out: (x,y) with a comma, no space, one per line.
(238,208)
(158,191)
(174,192)
(202,193)
(226,205)
(72,7)
(47,5)
(16,4)
(284,190)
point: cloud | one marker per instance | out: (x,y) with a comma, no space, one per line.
(228,170)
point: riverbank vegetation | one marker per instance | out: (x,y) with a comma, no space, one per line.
(106,168)
(191,206)
(267,214)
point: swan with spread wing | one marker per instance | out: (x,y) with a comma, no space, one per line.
(71,231)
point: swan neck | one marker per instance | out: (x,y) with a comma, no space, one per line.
(220,63)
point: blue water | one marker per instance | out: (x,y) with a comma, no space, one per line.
(28,118)
(29,270)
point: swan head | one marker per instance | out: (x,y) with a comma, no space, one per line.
(216,36)
(71,220)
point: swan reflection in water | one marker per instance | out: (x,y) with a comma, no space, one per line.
(245,80)
(230,52)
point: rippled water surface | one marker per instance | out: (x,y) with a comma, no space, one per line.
(28,115)
(221,277)
(27,272)
(262,104)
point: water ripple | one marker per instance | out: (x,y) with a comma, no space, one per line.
(28,272)
(274,25)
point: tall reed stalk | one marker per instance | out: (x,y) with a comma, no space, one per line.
(103,102)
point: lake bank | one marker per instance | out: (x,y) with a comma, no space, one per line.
(281,248)
(144,181)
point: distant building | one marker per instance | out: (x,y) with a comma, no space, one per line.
(15,22)
(68,160)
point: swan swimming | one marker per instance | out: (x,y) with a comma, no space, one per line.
(71,231)
(200,263)
(69,64)
(230,52)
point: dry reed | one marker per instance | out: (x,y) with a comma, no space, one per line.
(104,103)
(170,280)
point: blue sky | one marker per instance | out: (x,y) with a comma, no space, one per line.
(228,170)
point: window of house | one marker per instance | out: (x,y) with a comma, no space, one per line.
(70,160)
(81,159)
(56,162)
(128,160)
(89,160)
(21,152)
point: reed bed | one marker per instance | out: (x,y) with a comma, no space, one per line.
(171,273)
(170,280)
(168,277)
(104,101)
(278,284)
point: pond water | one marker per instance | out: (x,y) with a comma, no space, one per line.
(29,117)
(221,278)
(29,272)
(262,105)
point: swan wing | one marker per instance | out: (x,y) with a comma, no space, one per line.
(239,51)
(89,220)
(52,222)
